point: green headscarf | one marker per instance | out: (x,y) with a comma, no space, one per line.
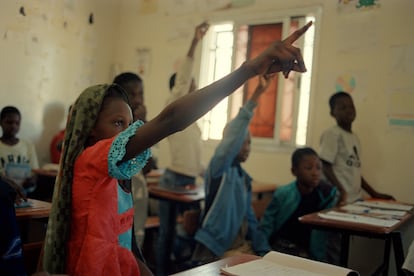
(81,122)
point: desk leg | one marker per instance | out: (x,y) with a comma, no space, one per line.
(383,269)
(398,252)
(344,249)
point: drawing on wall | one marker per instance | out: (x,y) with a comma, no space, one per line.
(143,61)
(345,6)
(345,82)
(400,108)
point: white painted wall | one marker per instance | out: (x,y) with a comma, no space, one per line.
(44,66)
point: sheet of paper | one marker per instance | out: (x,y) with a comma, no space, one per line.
(385,205)
(359,209)
(334,215)
(275,263)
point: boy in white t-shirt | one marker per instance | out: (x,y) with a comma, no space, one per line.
(17,156)
(340,152)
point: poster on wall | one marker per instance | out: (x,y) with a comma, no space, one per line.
(400,108)
(353,83)
(143,56)
(347,6)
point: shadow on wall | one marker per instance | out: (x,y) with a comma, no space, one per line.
(54,119)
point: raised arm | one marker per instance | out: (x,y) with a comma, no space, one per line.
(187,109)
(199,33)
(264,81)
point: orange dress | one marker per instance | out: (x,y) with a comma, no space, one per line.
(94,246)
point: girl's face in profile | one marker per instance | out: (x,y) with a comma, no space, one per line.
(114,117)
(10,124)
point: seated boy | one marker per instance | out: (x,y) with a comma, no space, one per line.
(229,225)
(307,194)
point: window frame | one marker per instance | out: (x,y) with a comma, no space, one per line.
(282,16)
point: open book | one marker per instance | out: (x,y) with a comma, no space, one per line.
(275,263)
(18,172)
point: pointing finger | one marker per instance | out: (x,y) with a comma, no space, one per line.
(297,34)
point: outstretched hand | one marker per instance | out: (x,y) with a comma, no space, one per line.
(201,30)
(280,56)
(264,81)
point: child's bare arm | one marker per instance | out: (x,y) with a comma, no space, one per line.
(199,33)
(330,175)
(264,81)
(187,109)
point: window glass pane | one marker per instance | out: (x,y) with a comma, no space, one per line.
(263,122)
(288,100)
(219,61)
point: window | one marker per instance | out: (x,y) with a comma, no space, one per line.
(281,119)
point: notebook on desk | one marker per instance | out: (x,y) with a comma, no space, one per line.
(275,263)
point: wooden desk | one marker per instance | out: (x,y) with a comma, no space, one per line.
(261,187)
(39,209)
(153,177)
(347,229)
(213,268)
(163,194)
(43,172)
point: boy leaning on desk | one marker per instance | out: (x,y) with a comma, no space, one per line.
(340,151)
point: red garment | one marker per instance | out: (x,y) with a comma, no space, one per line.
(95,225)
(57,142)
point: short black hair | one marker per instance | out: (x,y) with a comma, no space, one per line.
(126,77)
(172,80)
(9,110)
(116,91)
(298,155)
(335,97)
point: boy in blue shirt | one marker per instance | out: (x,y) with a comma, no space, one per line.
(307,194)
(229,225)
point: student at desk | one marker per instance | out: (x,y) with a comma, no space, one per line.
(134,86)
(307,194)
(229,225)
(17,156)
(340,151)
(185,149)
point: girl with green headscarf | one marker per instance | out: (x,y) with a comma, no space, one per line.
(89,229)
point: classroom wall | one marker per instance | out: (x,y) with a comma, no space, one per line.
(49,56)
